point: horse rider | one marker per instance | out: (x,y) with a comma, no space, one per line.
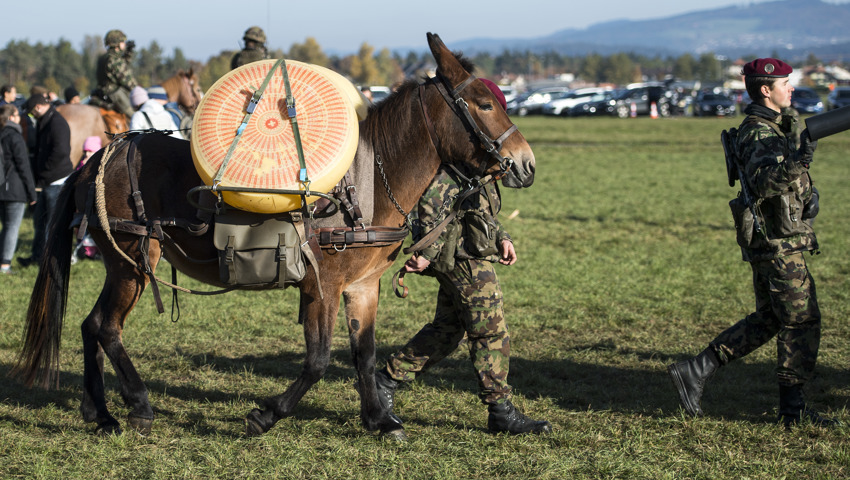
(115,77)
(469,301)
(254,49)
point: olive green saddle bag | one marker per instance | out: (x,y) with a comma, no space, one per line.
(256,249)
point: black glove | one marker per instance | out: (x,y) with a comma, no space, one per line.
(807,148)
(812,207)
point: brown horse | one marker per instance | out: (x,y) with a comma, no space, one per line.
(184,88)
(408,135)
(87,120)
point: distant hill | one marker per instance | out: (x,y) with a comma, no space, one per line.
(791,28)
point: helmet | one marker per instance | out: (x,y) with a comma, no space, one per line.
(114,37)
(256,34)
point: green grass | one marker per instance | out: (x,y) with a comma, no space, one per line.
(627,262)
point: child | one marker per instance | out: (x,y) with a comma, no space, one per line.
(87,248)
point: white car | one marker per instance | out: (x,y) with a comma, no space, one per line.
(562,106)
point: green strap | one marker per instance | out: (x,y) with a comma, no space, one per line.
(291,112)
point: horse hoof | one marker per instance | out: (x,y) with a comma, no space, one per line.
(397,435)
(108,428)
(254,425)
(140,424)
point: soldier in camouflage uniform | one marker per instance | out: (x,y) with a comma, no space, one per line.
(469,300)
(254,50)
(775,159)
(115,77)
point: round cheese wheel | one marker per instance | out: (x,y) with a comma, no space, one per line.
(358,100)
(266,155)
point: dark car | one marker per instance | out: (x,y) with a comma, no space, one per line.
(641,97)
(839,97)
(532,102)
(599,104)
(806,100)
(710,104)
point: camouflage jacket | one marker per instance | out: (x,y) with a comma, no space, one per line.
(437,203)
(248,55)
(767,147)
(114,72)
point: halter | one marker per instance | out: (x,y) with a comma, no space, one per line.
(459,106)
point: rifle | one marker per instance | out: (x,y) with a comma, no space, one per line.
(735,172)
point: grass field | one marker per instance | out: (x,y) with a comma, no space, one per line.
(627,262)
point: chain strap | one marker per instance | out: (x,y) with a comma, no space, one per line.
(404,214)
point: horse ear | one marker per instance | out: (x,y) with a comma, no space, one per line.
(446,61)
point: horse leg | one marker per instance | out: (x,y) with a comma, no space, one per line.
(101,333)
(361,308)
(319,318)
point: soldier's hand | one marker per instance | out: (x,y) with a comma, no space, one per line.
(807,148)
(416,264)
(507,253)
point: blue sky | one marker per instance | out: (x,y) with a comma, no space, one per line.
(205,28)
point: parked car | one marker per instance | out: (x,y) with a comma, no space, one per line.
(710,104)
(806,100)
(532,102)
(379,93)
(839,97)
(642,96)
(561,106)
(597,104)
(509,92)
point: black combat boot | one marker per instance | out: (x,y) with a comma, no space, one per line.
(689,377)
(505,417)
(386,386)
(792,409)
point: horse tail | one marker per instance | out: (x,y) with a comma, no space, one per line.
(38,360)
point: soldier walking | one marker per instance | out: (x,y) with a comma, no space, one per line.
(776,171)
(469,300)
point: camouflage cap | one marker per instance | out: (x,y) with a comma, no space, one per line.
(114,37)
(255,34)
(767,67)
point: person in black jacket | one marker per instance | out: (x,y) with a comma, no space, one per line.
(19,188)
(52,165)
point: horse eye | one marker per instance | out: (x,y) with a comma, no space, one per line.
(486,106)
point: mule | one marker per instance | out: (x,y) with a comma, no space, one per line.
(87,120)
(408,136)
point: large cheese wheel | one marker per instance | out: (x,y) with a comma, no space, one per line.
(358,100)
(266,155)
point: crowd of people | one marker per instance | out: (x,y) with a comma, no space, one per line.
(35,140)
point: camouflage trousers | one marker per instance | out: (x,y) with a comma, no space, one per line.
(469,302)
(786,307)
(121,100)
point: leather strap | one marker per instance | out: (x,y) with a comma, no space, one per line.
(398,281)
(371,236)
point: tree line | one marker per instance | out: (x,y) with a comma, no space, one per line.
(57,66)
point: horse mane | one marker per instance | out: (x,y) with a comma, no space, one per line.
(382,124)
(386,120)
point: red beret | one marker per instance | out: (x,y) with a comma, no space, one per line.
(497,92)
(767,67)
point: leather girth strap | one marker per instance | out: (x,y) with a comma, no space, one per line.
(360,234)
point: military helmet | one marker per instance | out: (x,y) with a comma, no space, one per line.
(114,37)
(255,34)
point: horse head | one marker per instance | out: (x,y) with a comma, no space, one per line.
(188,94)
(496,145)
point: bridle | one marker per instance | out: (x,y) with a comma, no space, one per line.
(459,106)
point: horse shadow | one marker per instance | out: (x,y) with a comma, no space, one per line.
(741,391)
